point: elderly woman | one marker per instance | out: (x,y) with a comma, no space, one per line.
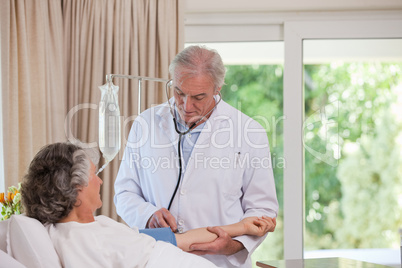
(62,190)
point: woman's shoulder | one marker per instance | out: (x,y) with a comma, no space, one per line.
(106,221)
(103,218)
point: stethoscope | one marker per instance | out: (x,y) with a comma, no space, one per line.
(181,134)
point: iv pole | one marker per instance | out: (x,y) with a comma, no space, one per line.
(109,78)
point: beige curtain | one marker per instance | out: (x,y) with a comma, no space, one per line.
(135,37)
(55,54)
(32,81)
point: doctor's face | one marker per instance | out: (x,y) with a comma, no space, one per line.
(194,96)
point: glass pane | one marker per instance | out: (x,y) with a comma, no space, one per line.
(254,85)
(353,144)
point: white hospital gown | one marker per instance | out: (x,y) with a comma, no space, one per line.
(107,243)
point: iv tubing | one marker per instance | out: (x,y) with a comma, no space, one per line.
(102,168)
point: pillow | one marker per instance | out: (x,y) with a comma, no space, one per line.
(29,243)
(8,261)
(3,235)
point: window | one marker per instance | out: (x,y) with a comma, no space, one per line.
(352,141)
(296,33)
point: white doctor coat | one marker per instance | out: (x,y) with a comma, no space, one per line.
(228,176)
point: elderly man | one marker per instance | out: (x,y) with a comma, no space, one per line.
(196,161)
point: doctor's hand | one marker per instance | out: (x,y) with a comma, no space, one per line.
(223,245)
(162,218)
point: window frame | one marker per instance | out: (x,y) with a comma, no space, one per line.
(295,33)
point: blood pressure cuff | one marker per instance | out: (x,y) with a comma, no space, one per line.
(161,234)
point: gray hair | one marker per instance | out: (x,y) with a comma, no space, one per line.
(56,174)
(196,60)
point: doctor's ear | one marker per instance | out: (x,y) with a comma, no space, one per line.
(217,91)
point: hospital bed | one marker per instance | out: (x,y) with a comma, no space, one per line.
(25,242)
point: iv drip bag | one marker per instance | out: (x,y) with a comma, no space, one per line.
(109,121)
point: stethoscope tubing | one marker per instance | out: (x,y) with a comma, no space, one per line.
(180,158)
(181,134)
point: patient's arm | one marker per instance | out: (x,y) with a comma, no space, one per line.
(248,226)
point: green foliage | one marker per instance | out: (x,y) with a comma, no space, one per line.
(371,177)
(354,96)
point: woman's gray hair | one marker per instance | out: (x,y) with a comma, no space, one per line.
(196,60)
(56,174)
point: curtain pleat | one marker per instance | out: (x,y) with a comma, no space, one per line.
(33,88)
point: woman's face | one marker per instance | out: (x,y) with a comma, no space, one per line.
(90,195)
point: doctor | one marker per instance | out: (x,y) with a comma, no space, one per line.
(221,174)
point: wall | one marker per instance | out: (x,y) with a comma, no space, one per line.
(263,20)
(212,6)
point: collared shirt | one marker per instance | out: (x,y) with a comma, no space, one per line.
(188,140)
